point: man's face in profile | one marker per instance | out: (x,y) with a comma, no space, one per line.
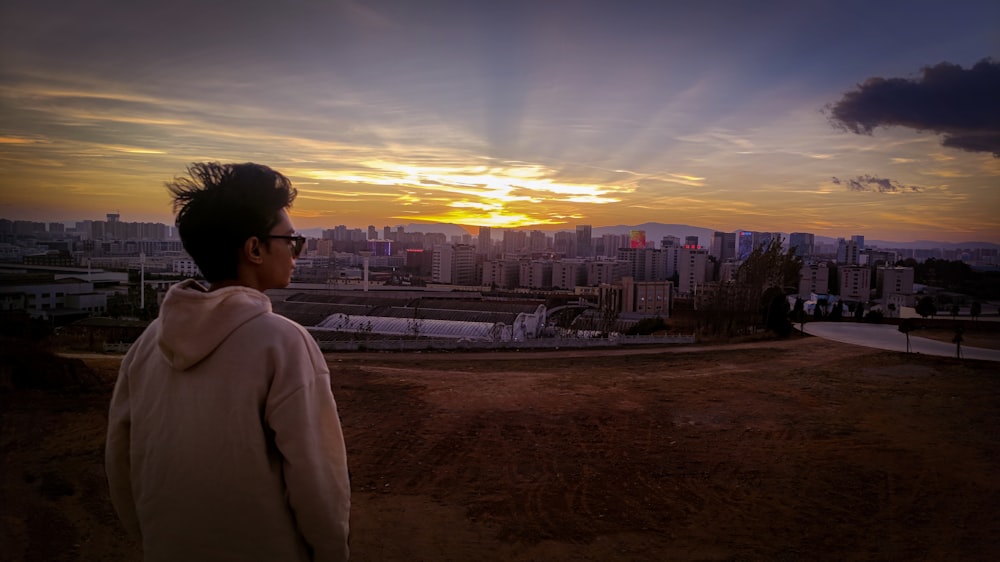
(279,255)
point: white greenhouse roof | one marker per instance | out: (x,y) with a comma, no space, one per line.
(384,325)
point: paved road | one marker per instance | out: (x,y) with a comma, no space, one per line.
(889,337)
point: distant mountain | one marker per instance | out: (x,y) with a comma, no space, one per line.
(446,229)
(931,244)
(426,228)
(655,231)
(914,245)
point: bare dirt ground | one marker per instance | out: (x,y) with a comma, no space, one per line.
(796,450)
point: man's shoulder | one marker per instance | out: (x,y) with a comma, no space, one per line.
(280,326)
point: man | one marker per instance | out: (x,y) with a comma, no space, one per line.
(224,441)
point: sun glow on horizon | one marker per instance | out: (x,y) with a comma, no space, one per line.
(509,196)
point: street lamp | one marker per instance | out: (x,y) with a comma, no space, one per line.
(365,254)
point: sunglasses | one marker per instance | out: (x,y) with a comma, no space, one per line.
(298,242)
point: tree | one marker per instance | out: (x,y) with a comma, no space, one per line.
(647,326)
(906,326)
(834,274)
(975,310)
(800,314)
(607,316)
(926,307)
(768,267)
(415,324)
(892,309)
(739,305)
(837,312)
(859,311)
(954,311)
(818,309)
(959,330)
(774,305)
(874,316)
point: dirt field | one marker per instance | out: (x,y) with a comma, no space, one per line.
(795,450)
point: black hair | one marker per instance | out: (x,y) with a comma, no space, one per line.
(220,206)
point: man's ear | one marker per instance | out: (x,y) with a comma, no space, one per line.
(253,249)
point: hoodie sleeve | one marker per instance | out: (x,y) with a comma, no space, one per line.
(117,453)
(307,432)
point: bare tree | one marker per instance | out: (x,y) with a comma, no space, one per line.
(906,326)
(757,294)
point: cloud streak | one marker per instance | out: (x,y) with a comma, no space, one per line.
(875,184)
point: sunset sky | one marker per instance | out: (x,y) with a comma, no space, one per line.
(507,113)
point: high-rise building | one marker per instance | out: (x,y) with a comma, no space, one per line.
(536,241)
(637,239)
(584,241)
(372,233)
(691,269)
(464,265)
(814,278)
(441,263)
(764,239)
(564,243)
(610,243)
(568,274)
(604,272)
(419,261)
(847,252)
(503,273)
(324,247)
(514,242)
(484,244)
(874,257)
(891,281)
(855,283)
(691,241)
(672,255)
(744,244)
(535,274)
(724,246)
(380,247)
(803,242)
(454,263)
(644,264)
(338,233)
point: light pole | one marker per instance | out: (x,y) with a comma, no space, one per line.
(142,280)
(365,254)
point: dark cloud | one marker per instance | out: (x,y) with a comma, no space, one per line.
(875,184)
(961,104)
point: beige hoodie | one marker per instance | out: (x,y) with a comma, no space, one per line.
(224,441)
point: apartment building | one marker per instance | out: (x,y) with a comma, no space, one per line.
(855,283)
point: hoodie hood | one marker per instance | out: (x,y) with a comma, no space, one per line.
(194,321)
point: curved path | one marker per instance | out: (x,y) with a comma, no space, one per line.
(889,337)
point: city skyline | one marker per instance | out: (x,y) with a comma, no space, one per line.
(528,115)
(657,233)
